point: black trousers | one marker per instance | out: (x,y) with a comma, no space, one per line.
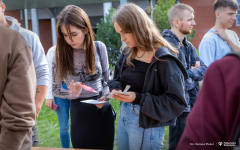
(175,132)
(91,128)
(35,139)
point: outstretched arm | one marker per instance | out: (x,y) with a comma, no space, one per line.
(40,95)
(49,96)
(41,69)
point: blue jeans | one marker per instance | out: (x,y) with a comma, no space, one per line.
(130,137)
(63,119)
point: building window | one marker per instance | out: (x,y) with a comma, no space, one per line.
(238,15)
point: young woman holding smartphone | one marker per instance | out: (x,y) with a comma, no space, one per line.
(148,64)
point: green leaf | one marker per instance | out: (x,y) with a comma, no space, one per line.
(107,34)
(160,14)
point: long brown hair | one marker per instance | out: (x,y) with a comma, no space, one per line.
(132,19)
(75,16)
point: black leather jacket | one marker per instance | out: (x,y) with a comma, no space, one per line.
(162,98)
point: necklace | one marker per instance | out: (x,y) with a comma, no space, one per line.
(140,56)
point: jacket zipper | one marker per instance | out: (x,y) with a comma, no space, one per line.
(146,75)
(144,84)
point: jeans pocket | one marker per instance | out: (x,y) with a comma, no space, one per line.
(157,138)
(135,109)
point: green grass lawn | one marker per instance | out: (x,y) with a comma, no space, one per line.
(48,127)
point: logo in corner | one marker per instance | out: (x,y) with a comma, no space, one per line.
(220,143)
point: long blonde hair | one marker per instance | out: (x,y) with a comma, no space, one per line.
(131,18)
(75,16)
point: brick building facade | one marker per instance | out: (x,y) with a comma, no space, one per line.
(204,18)
(44,28)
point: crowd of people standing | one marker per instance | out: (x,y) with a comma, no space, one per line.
(163,71)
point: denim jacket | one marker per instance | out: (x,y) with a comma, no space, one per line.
(189,59)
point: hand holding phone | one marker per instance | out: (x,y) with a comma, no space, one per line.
(119,92)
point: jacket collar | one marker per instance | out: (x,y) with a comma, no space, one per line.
(15,25)
(164,51)
(161,52)
(169,33)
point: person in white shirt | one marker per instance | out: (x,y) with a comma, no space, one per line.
(63,104)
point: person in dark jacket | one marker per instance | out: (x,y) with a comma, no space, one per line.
(148,64)
(212,123)
(181,19)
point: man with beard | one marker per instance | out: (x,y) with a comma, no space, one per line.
(219,41)
(181,19)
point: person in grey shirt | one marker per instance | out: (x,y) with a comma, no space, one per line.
(40,62)
(77,60)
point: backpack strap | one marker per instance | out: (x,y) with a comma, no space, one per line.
(100,59)
(98,51)
(105,106)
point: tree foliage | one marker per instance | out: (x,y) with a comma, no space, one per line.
(107,34)
(191,35)
(160,14)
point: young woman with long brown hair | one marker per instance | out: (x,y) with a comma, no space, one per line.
(76,60)
(156,77)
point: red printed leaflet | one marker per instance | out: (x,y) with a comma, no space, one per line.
(88,88)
